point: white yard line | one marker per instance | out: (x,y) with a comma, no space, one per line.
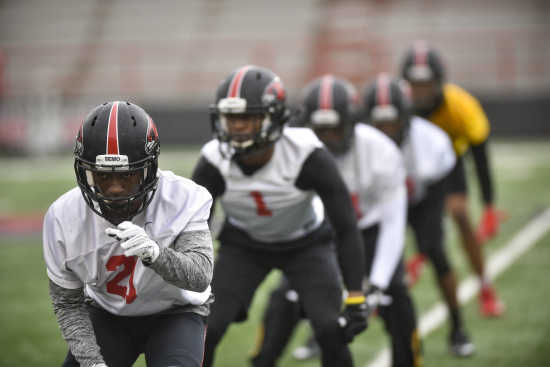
(526,238)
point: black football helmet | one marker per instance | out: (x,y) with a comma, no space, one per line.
(117,137)
(422,63)
(331,103)
(423,68)
(388,106)
(250,90)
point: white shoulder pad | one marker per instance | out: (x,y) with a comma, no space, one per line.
(179,205)
(302,136)
(386,158)
(432,147)
(211,151)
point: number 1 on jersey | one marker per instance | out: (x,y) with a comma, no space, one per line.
(261,208)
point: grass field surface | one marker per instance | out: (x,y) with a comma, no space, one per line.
(29,335)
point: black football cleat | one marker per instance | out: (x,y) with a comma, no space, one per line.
(460,344)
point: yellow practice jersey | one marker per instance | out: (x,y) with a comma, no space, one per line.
(462,117)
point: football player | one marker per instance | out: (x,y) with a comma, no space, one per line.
(128,253)
(266,177)
(461,116)
(429,158)
(373,170)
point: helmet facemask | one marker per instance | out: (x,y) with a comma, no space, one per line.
(229,109)
(426,96)
(388,107)
(331,130)
(122,206)
(388,120)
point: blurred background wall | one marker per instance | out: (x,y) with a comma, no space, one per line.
(60,58)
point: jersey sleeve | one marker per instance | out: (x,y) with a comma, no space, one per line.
(474,122)
(389,172)
(446,157)
(391,239)
(55,254)
(431,150)
(207,175)
(200,204)
(336,199)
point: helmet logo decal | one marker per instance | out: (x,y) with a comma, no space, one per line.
(325,92)
(383,96)
(152,137)
(235,85)
(112,130)
(78,144)
(277,87)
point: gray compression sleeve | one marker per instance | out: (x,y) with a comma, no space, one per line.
(188,263)
(75,324)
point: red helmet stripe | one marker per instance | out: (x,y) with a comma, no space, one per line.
(420,53)
(325,92)
(151,130)
(112,130)
(383,90)
(235,85)
(80,136)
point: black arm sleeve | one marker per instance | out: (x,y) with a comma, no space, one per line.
(207,175)
(319,173)
(483,171)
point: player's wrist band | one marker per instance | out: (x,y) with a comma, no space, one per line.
(357,300)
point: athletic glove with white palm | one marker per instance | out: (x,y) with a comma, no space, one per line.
(135,242)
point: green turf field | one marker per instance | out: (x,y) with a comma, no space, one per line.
(29,335)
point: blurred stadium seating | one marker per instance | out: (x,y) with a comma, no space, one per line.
(58,58)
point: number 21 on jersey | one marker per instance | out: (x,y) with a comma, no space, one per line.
(128,264)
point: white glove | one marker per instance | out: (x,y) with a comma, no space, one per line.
(136,242)
(375,297)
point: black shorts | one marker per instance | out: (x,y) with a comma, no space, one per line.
(399,316)
(166,339)
(313,271)
(426,220)
(457,178)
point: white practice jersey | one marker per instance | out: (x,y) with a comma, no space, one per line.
(266,204)
(374,173)
(78,253)
(428,155)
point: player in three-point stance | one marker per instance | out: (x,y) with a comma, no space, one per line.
(429,158)
(461,116)
(128,253)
